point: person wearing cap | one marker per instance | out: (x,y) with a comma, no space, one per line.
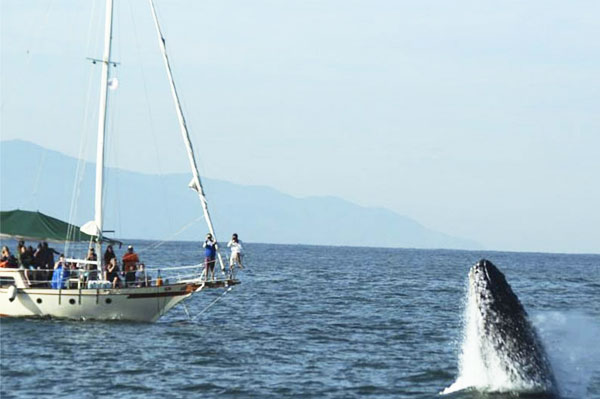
(130,261)
(236,252)
(210,253)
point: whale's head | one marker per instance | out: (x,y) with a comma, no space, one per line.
(492,291)
(485,275)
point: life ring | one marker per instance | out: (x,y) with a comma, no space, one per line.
(11,293)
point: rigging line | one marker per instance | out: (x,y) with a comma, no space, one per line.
(141,64)
(36,183)
(181,99)
(91,26)
(213,303)
(199,160)
(160,243)
(187,312)
(40,28)
(81,164)
(94,40)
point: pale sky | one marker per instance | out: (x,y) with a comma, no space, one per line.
(479,119)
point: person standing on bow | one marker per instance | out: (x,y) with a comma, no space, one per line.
(236,253)
(130,262)
(210,253)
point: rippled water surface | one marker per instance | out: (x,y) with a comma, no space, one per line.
(310,322)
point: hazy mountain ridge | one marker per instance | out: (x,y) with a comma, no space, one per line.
(146,206)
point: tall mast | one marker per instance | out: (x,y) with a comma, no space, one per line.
(196,183)
(98,217)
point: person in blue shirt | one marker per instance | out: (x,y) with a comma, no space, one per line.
(210,253)
(60,274)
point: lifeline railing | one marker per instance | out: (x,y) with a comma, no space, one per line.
(82,275)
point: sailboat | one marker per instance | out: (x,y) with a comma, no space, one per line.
(97,299)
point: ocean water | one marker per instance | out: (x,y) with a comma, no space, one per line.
(311,322)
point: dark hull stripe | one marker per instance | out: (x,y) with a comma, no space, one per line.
(157,294)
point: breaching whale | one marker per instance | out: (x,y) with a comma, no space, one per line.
(507,341)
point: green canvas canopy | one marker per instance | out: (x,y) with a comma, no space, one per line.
(35,226)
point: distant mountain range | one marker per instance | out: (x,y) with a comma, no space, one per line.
(160,207)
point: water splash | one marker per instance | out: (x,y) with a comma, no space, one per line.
(481,366)
(572,342)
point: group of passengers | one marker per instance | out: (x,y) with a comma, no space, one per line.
(40,268)
(133,273)
(38,263)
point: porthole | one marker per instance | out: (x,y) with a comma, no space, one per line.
(108,300)
(39,300)
(72,301)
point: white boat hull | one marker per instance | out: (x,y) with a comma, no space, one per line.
(135,304)
(144,304)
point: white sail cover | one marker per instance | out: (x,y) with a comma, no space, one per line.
(90,228)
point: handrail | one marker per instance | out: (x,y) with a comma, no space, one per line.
(83,261)
(176,267)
